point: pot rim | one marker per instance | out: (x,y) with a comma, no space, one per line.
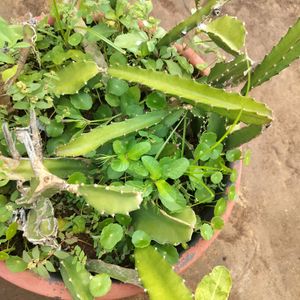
(55,288)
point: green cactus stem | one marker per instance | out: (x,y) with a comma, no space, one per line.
(119,273)
(20,169)
(216,285)
(231,73)
(227,32)
(165,228)
(201,95)
(190,23)
(111,200)
(41,224)
(280,57)
(90,141)
(242,136)
(76,281)
(157,276)
(70,79)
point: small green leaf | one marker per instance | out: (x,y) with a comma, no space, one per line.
(208,138)
(216,285)
(117,87)
(173,68)
(54,129)
(100,285)
(153,167)
(82,101)
(233,175)
(233,155)
(112,100)
(6,58)
(75,39)
(216,177)
(16,264)
(232,193)
(5,214)
(220,207)
(11,230)
(9,73)
(3,256)
(118,59)
(120,164)
(79,224)
(169,253)
(204,194)
(217,222)
(49,266)
(131,41)
(206,231)
(42,271)
(175,168)
(137,150)
(110,236)
(170,197)
(35,253)
(119,147)
(202,152)
(61,254)
(141,239)
(156,100)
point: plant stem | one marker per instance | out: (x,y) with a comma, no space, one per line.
(183,135)
(167,140)
(57,17)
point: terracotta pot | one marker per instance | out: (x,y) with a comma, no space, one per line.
(55,287)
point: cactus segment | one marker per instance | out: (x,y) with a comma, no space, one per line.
(165,228)
(202,95)
(111,200)
(216,285)
(242,136)
(231,73)
(73,77)
(280,57)
(41,225)
(77,282)
(61,167)
(157,276)
(114,271)
(90,141)
(190,23)
(228,33)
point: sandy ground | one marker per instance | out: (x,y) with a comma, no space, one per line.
(261,243)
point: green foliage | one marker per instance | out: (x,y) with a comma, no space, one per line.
(70,79)
(230,73)
(216,285)
(90,141)
(227,32)
(76,281)
(156,144)
(190,23)
(157,276)
(111,200)
(165,228)
(208,98)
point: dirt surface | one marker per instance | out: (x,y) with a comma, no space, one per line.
(261,243)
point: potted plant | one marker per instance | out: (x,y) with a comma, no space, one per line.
(118,136)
